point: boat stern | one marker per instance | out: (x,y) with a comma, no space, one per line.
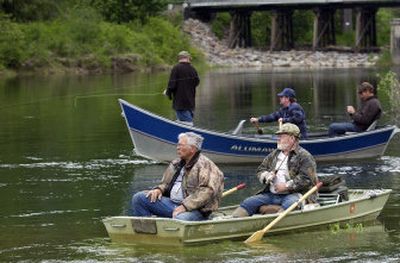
(131,230)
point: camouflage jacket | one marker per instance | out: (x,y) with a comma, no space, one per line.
(302,170)
(203,183)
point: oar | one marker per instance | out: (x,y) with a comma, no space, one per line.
(257,236)
(234,189)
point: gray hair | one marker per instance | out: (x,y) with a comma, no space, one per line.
(192,139)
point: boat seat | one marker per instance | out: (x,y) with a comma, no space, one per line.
(239,128)
(372,126)
(328,199)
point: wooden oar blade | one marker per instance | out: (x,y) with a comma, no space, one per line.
(255,237)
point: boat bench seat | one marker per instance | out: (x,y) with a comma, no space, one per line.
(370,127)
(328,199)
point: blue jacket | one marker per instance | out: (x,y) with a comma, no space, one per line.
(294,113)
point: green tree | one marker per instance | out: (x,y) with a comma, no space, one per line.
(11,43)
(122,11)
(31,10)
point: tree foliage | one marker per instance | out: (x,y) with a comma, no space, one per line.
(118,11)
(122,11)
(31,10)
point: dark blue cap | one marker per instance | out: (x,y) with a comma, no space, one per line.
(287,92)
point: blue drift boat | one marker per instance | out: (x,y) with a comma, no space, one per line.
(155,137)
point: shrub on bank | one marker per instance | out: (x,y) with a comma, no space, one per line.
(84,37)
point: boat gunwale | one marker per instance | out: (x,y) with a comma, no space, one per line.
(319,156)
(383,192)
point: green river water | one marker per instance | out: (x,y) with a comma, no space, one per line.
(67,161)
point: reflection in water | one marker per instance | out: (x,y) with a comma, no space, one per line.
(67,162)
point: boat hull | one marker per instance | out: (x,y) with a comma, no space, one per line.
(363,205)
(155,137)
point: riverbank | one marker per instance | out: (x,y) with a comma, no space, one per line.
(151,48)
(218,54)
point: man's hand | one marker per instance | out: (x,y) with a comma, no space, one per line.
(351,110)
(253,120)
(280,187)
(154,195)
(178,210)
(266,177)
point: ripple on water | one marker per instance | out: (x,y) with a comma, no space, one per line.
(95,164)
(53,212)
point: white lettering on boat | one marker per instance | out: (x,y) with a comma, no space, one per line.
(241,148)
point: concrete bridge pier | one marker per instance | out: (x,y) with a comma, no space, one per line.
(240,29)
(395,41)
(365,39)
(282,30)
(324,28)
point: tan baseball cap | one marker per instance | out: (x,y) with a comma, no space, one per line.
(184,53)
(289,128)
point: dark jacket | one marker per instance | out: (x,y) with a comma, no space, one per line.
(203,183)
(302,170)
(369,111)
(182,86)
(294,113)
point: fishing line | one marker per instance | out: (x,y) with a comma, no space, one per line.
(77,97)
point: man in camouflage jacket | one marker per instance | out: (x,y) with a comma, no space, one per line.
(286,172)
(191,187)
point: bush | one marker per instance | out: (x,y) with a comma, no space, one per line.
(220,24)
(12,43)
(83,37)
(167,39)
(261,29)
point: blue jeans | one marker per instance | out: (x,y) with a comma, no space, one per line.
(338,128)
(184,115)
(253,203)
(141,206)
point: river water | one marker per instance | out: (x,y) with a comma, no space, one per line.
(66,162)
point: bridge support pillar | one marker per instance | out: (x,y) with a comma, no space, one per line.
(282,30)
(395,41)
(324,28)
(240,30)
(365,29)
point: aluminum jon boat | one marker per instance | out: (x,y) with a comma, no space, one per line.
(155,137)
(362,206)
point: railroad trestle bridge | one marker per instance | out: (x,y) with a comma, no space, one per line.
(281,37)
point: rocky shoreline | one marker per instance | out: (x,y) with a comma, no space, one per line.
(218,54)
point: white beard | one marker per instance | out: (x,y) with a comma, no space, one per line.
(282,146)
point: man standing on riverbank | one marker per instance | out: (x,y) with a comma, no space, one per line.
(369,111)
(290,111)
(182,88)
(191,187)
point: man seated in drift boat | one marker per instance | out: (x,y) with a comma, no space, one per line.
(287,172)
(369,111)
(191,187)
(290,111)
